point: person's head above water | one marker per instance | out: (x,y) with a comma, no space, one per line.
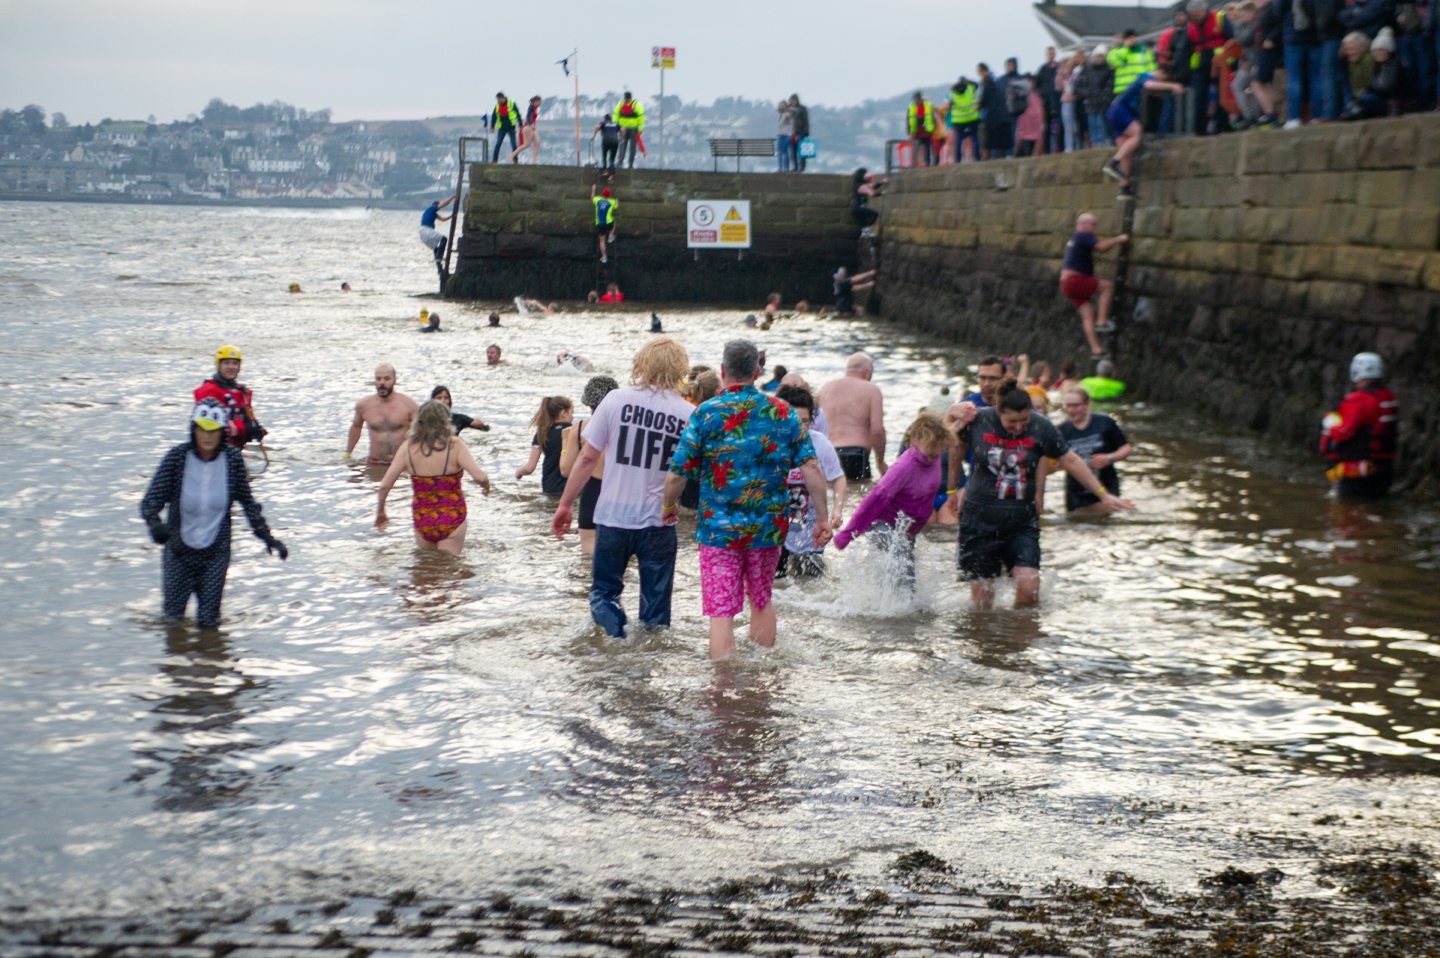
(494,319)
(1105,369)
(384,380)
(442,393)
(492,355)
(344,287)
(660,364)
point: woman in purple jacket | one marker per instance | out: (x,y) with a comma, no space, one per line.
(907,489)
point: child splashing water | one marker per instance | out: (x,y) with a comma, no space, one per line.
(902,501)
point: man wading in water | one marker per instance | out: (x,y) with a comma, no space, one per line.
(387,414)
(855,417)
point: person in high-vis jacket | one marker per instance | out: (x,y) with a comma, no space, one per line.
(964,119)
(198,481)
(920,126)
(630,114)
(605,206)
(505,119)
(1359,438)
(1129,58)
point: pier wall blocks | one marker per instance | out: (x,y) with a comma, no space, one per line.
(529,229)
(1259,264)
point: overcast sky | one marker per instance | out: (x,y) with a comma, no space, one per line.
(384,59)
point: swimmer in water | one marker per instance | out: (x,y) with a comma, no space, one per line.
(457,419)
(565,359)
(433,326)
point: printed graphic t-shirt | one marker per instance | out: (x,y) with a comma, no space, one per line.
(802,508)
(638,429)
(1004,465)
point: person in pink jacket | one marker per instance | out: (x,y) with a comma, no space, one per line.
(907,489)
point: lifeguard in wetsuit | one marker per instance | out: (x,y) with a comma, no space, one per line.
(224,390)
(1360,437)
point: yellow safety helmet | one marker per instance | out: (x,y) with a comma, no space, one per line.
(227,352)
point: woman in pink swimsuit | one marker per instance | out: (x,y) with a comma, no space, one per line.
(437,501)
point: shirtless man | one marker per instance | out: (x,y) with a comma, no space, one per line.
(388,415)
(855,418)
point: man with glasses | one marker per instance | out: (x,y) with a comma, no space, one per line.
(1098,440)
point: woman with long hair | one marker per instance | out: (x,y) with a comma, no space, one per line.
(435,458)
(549,423)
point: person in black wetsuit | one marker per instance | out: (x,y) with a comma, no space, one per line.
(863,187)
(457,419)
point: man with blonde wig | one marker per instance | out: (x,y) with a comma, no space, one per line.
(636,429)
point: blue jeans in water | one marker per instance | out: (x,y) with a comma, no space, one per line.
(1303,73)
(1099,132)
(654,549)
(782,151)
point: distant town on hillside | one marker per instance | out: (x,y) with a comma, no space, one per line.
(280,153)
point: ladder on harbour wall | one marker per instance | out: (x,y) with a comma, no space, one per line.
(443,266)
(1122,260)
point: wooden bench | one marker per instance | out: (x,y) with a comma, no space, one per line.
(740,147)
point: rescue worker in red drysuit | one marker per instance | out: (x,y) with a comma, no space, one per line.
(1359,437)
(224,389)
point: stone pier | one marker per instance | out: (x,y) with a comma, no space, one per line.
(1259,264)
(528,229)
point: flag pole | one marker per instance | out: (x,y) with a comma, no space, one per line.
(575,55)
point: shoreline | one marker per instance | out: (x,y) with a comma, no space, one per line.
(290,202)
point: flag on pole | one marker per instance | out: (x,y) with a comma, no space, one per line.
(565,65)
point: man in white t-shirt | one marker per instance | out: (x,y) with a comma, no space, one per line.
(636,429)
(799,557)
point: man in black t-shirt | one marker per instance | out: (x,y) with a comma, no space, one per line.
(999,524)
(1098,440)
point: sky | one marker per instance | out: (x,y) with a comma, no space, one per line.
(396,59)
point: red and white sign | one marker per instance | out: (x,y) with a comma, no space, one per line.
(662,58)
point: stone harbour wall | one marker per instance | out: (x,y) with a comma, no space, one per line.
(528,229)
(1259,263)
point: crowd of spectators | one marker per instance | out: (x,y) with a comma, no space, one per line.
(1244,64)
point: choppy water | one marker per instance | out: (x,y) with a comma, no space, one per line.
(1204,680)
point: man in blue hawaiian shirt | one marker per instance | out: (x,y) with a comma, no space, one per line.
(740,446)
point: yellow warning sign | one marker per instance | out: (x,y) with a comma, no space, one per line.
(718,224)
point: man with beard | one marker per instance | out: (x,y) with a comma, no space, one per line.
(387,414)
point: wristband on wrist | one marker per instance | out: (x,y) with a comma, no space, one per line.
(665,508)
(951,492)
